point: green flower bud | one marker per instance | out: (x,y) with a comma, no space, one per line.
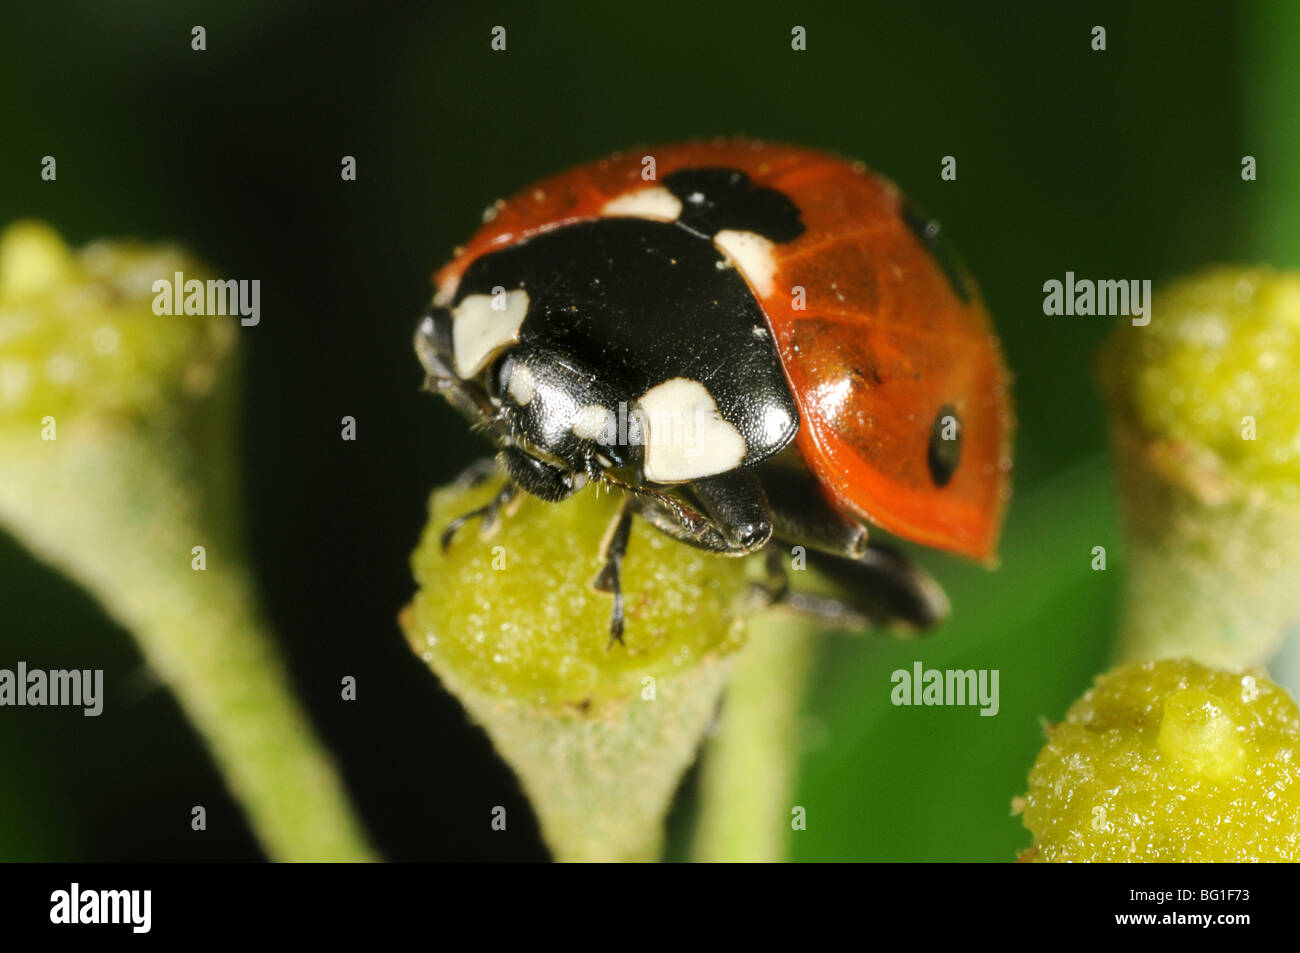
(514,616)
(117,435)
(79,339)
(1170,761)
(598,733)
(1205,408)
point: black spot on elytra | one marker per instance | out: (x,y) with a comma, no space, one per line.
(714,200)
(944,453)
(929,233)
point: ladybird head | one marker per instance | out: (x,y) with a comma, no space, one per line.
(553,420)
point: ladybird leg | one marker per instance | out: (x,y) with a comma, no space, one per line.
(880,589)
(490,514)
(610,578)
(802,514)
(736,505)
(775,589)
(670,515)
(475,473)
(682,522)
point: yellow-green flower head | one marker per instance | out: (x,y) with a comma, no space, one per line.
(79,336)
(1170,761)
(514,616)
(1216,374)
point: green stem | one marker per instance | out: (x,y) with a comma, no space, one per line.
(601,782)
(750,768)
(1207,579)
(1270,87)
(120,507)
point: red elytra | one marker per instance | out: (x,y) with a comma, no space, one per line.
(882,344)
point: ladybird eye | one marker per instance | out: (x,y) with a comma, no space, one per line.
(497,375)
(944,454)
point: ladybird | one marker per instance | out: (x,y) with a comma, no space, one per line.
(756,342)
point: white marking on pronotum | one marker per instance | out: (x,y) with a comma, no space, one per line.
(655,202)
(752,254)
(478,331)
(590,422)
(522,385)
(686,437)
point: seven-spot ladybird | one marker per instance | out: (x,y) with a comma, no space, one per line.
(756,342)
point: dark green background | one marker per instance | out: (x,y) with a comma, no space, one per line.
(1122,164)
